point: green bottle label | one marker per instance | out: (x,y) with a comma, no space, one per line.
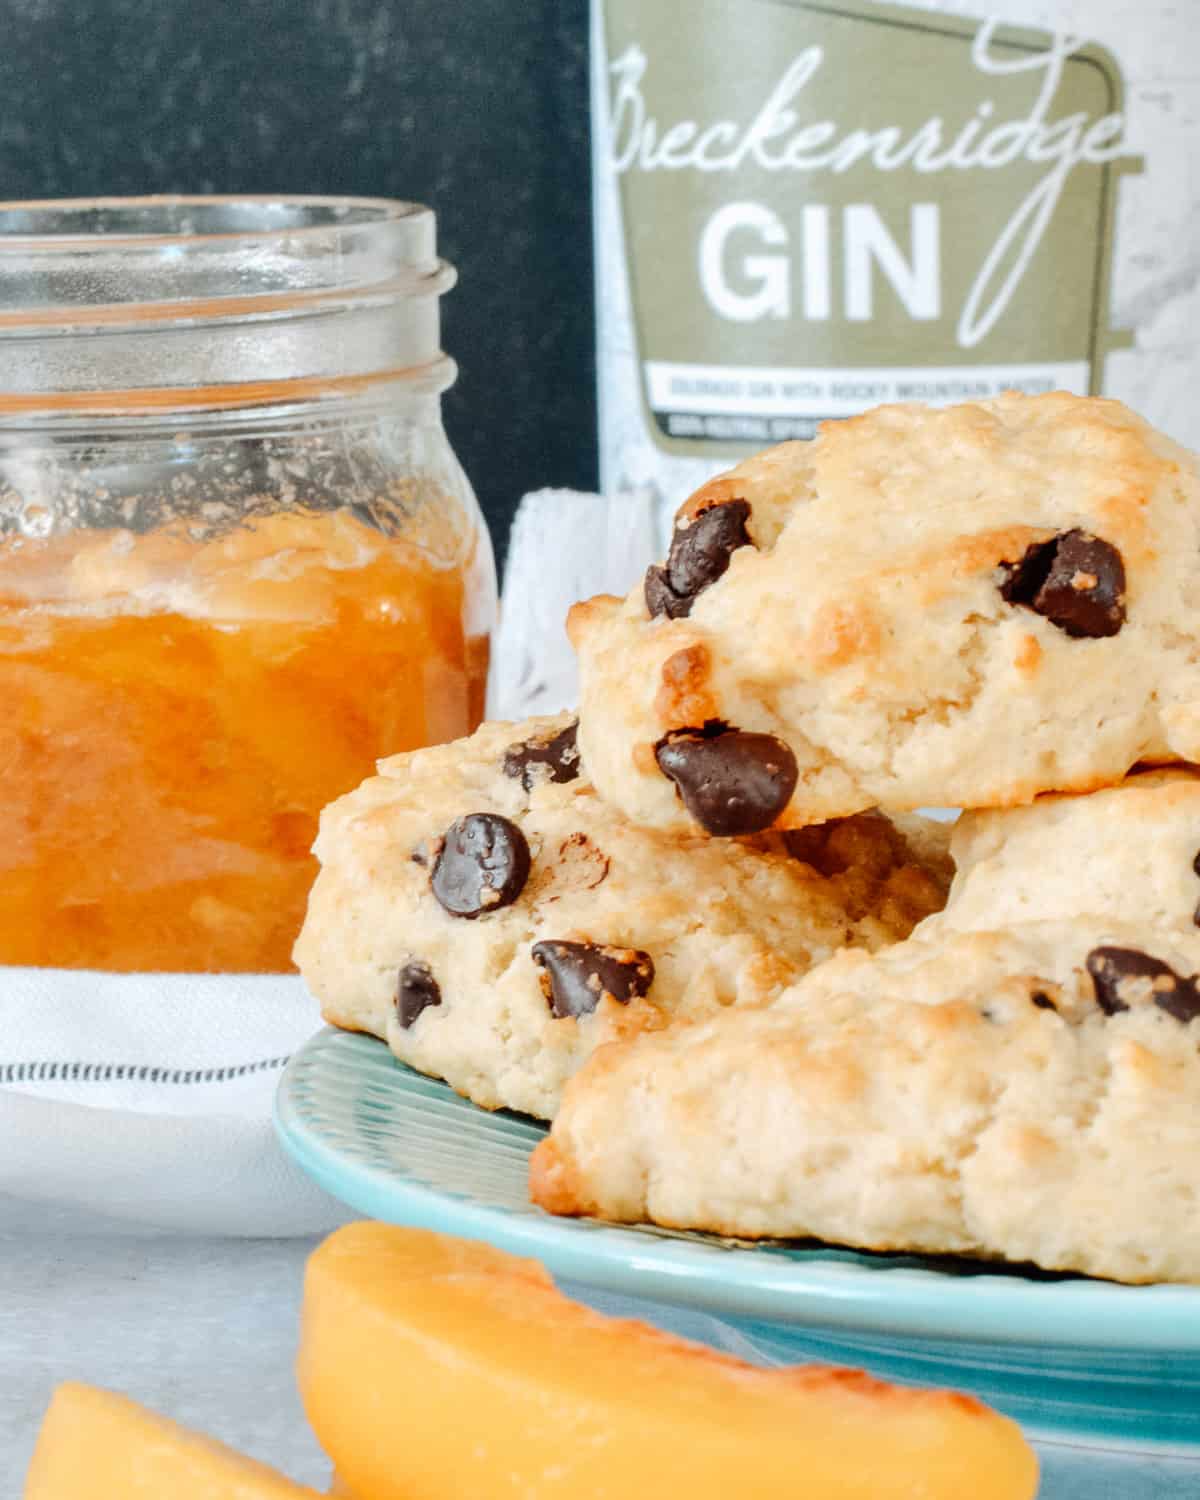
(827,204)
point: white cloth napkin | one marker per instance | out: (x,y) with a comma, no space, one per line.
(147,1098)
(564,546)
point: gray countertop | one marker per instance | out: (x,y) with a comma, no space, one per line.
(204,1330)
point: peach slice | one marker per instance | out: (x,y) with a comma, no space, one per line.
(432,1367)
(96,1445)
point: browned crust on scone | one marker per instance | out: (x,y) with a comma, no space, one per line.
(587,614)
(685,696)
(644,759)
(840,632)
(718,491)
(554,1183)
(1028,656)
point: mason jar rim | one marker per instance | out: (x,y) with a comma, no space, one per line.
(211,299)
(343,212)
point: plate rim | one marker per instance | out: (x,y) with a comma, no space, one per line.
(997,1308)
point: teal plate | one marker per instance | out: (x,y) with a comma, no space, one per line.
(1066,1354)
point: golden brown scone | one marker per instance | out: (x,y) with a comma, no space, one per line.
(980,1087)
(578,928)
(958,607)
(1129,851)
(1028,1095)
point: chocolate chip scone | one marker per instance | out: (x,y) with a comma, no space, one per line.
(1016,1079)
(482,910)
(959,607)
(1027,1095)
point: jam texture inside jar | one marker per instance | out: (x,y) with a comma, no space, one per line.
(238,562)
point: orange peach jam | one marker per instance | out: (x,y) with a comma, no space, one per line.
(176,713)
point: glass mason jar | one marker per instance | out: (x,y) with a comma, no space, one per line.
(238,561)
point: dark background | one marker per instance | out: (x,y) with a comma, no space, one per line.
(476,107)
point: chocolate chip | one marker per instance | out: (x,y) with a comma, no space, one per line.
(731,780)
(1042,1000)
(416,991)
(535,761)
(701,547)
(1196,868)
(577,975)
(1182,1000)
(1110,968)
(483,865)
(1075,580)
(703,544)
(661,598)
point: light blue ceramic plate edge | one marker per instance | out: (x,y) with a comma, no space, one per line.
(801,1289)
